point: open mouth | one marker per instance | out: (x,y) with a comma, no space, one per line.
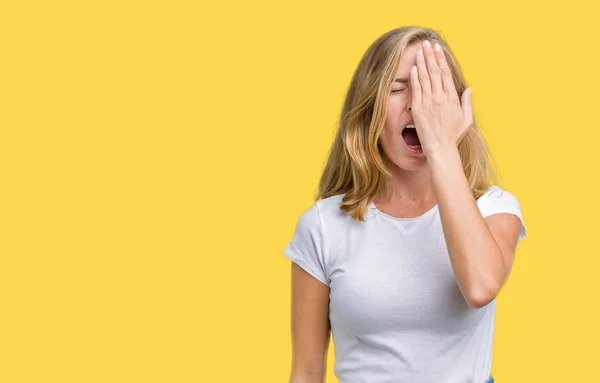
(409,134)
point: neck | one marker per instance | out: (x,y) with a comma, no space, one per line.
(413,188)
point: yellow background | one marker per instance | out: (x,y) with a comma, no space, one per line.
(155,156)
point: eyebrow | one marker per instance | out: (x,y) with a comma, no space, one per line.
(401,80)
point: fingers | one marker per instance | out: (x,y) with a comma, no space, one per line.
(433,69)
(423,76)
(416,86)
(447,81)
(434,74)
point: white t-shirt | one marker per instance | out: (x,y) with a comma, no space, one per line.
(395,309)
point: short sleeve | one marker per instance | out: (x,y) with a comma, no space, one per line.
(496,200)
(306,246)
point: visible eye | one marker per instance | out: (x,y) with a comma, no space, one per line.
(398,90)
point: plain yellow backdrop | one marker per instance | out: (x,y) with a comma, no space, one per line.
(155,156)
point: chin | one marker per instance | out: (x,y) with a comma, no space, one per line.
(409,163)
(412,164)
(401,156)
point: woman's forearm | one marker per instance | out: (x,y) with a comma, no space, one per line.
(475,257)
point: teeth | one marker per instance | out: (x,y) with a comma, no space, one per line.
(411,126)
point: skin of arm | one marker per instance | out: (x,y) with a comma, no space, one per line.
(481,250)
(310,327)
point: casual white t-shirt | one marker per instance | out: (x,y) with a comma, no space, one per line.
(396,311)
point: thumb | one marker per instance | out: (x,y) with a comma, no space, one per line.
(466,104)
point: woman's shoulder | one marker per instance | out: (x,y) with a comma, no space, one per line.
(498,200)
(495,192)
(330,204)
(324,210)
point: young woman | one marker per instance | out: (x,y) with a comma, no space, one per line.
(410,240)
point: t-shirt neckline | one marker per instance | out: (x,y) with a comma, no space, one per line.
(426,214)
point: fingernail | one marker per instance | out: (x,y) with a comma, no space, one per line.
(427,43)
(420,52)
(437,47)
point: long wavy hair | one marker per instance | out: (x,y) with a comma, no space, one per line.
(356,166)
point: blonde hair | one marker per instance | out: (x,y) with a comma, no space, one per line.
(356,166)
